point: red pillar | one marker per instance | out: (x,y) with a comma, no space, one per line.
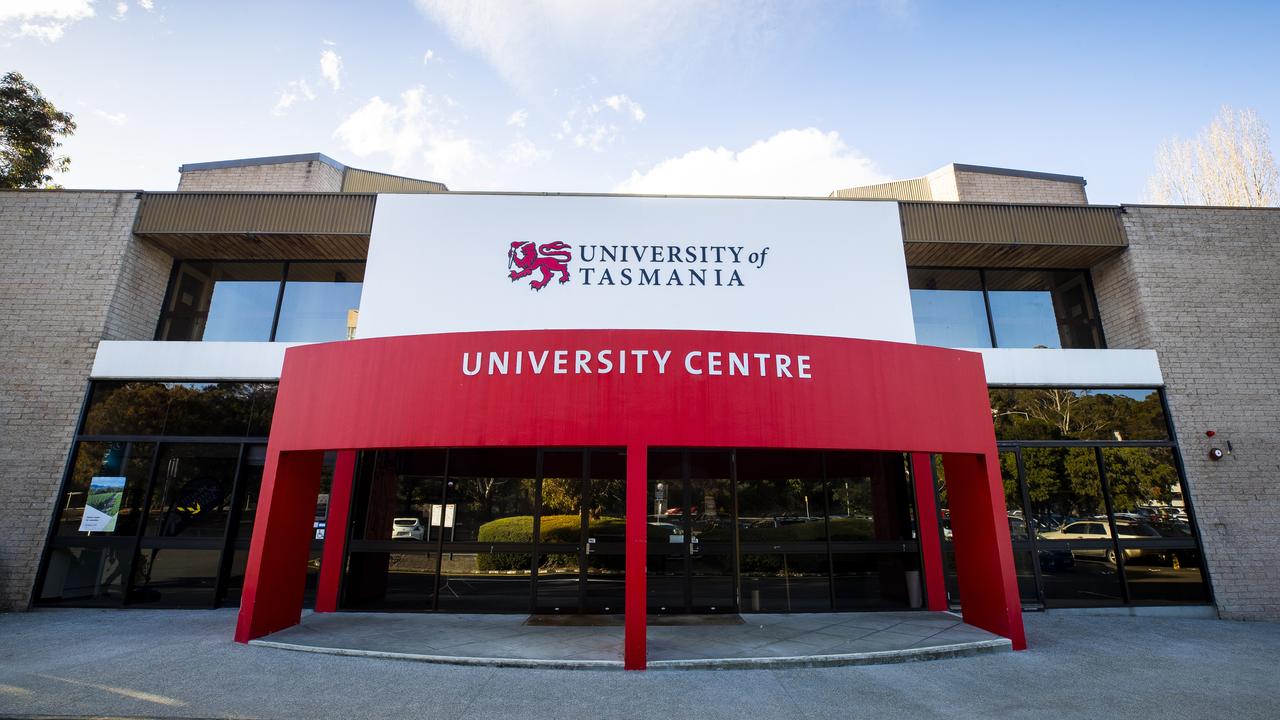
(276,575)
(335,535)
(984,556)
(634,642)
(935,585)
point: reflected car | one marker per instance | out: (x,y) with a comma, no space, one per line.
(408,528)
(1099,529)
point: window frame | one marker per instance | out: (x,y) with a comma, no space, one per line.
(166,313)
(986,294)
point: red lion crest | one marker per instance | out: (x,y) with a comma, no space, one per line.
(549,258)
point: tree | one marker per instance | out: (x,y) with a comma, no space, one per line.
(1229,163)
(30,127)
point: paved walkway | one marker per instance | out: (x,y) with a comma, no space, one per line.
(759,641)
(149,663)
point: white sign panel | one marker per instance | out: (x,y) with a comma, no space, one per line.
(453,262)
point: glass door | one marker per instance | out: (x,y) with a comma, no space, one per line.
(691,532)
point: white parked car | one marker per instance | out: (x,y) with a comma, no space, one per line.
(1098,529)
(408,528)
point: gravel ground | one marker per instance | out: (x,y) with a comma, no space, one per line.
(170,663)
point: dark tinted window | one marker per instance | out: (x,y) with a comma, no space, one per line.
(1042,308)
(222,301)
(1078,414)
(161,408)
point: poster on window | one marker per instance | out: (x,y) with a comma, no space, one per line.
(102,507)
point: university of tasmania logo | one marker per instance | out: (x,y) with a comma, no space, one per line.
(526,258)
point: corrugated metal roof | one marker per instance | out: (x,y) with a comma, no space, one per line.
(365,181)
(255,213)
(1001,224)
(913,189)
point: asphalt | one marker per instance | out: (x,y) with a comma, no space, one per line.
(154,663)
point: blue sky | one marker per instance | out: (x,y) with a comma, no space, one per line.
(741,97)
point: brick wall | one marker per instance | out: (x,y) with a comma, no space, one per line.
(1202,287)
(70,274)
(990,187)
(312,176)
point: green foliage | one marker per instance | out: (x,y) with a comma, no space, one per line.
(29,130)
(553,529)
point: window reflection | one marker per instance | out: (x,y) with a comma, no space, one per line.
(237,301)
(317,299)
(961,307)
(1078,414)
(948,307)
(1042,308)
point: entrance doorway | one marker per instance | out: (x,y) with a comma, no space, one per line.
(488,530)
(781,531)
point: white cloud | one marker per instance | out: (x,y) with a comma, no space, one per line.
(532,42)
(113,118)
(147,5)
(584,126)
(518,118)
(121,9)
(45,20)
(65,10)
(428,56)
(331,68)
(49,32)
(448,157)
(522,152)
(380,127)
(294,91)
(622,103)
(793,162)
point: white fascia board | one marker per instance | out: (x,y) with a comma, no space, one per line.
(1074,368)
(118,359)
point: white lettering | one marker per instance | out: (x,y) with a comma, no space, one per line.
(688,363)
(606,365)
(562,358)
(802,367)
(738,364)
(498,361)
(662,358)
(783,363)
(468,371)
(580,359)
(713,363)
(639,356)
(762,357)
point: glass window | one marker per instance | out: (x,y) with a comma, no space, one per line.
(167,408)
(1042,308)
(317,299)
(1078,414)
(948,307)
(1076,552)
(174,577)
(222,301)
(780,497)
(871,497)
(86,576)
(132,461)
(191,496)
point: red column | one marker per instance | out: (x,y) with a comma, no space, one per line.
(276,575)
(634,654)
(930,544)
(335,535)
(984,556)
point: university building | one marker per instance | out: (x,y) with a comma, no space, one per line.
(294,383)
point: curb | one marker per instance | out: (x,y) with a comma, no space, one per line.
(883,657)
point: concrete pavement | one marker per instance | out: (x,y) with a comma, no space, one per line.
(157,663)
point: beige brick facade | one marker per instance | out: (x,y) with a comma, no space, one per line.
(1202,287)
(310,176)
(73,276)
(991,187)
